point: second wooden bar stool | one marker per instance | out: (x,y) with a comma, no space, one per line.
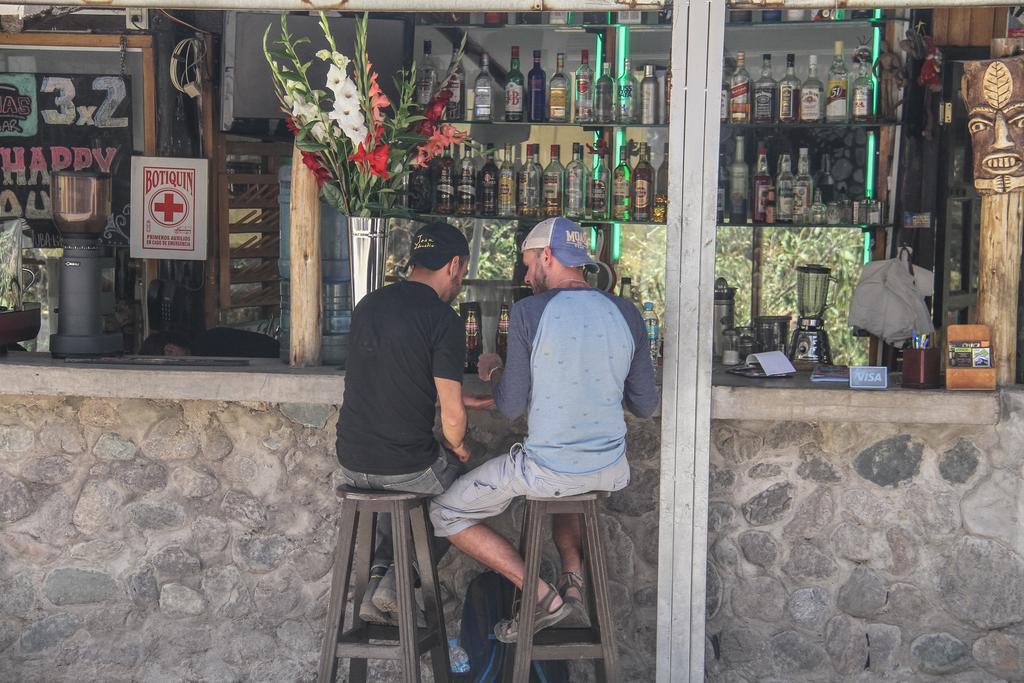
(356,526)
(596,642)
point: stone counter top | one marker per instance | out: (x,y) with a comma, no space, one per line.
(799,399)
(270,381)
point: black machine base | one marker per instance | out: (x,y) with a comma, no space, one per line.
(71,346)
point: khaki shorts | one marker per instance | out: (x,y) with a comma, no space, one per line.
(489,489)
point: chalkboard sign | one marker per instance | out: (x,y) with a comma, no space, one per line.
(72,122)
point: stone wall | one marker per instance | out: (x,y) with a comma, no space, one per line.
(169,541)
(866,552)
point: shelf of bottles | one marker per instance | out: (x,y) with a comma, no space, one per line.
(552,21)
(609,108)
(832,121)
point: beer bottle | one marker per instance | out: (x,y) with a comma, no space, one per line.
(472,340)
(501,337)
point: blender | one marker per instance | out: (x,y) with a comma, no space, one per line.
(81,206)
(810,341)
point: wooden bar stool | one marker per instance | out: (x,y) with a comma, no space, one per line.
(594,642)
(356,527)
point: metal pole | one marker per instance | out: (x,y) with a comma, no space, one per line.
(698,33)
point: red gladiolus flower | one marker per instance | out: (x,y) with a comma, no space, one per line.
(375,161)
(378,100)
(290,122)
(312,162)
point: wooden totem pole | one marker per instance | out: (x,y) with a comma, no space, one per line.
(993,92)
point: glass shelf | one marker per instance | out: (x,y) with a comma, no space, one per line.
(774,26)
(823,124)
(516,219)
(842,226)
(560,28)
(560,124)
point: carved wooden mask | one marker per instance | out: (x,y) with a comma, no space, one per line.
(993,92)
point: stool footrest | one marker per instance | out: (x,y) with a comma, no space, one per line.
(354,643)
(565,652)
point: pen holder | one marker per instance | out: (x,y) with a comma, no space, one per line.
(921,368)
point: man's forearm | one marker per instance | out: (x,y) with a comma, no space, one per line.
(454,428)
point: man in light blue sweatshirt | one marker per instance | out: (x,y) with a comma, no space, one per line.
(576,355)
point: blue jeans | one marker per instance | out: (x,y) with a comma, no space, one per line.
(434,480)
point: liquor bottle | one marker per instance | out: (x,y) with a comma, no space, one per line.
(472,341)
(455,109)
(501,336)
(739,92)
(600,188)
(558,92)
(643,186)
(824,180)
(863,94)
(818,209)
(444,184)
(626,288)
(514,89)
(649,103)
(584,90)
(739,16)
(789,93)
(554,183)
(465,185)
(426,76)
(576,184)
(622,186)
(803,188)
(420,195)
(604,89)
(507,185)
(537,89)
(784,191)
(765,93)
(771,16)
(660,212)
(530,180)
(723,189)
(739,185)
(668,89)
(811,94)
(487,185)
(626,95)
(761,185)
(837,104)
(482,92)
(723,110)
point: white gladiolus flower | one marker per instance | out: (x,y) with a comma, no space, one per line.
(340,60)
(336,78)
(346,91)
(319,132)
(356,134)
(303,111)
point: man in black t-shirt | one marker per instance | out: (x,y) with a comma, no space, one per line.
(406,354)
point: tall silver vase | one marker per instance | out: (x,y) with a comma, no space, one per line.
(367,253)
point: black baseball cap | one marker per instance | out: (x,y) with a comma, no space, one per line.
(435,244)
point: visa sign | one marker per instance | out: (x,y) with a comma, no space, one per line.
(869,377)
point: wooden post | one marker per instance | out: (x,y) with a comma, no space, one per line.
(1002,216)
(306,282)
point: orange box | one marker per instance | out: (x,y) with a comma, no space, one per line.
(976,378)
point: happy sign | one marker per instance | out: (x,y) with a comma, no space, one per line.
(54,123)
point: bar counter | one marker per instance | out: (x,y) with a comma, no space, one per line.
(270,381)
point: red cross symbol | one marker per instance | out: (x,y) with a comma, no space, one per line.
(169,208)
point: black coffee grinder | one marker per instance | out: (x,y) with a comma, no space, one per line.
(81,207)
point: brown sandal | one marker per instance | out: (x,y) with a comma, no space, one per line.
(568,581)
(507,630)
